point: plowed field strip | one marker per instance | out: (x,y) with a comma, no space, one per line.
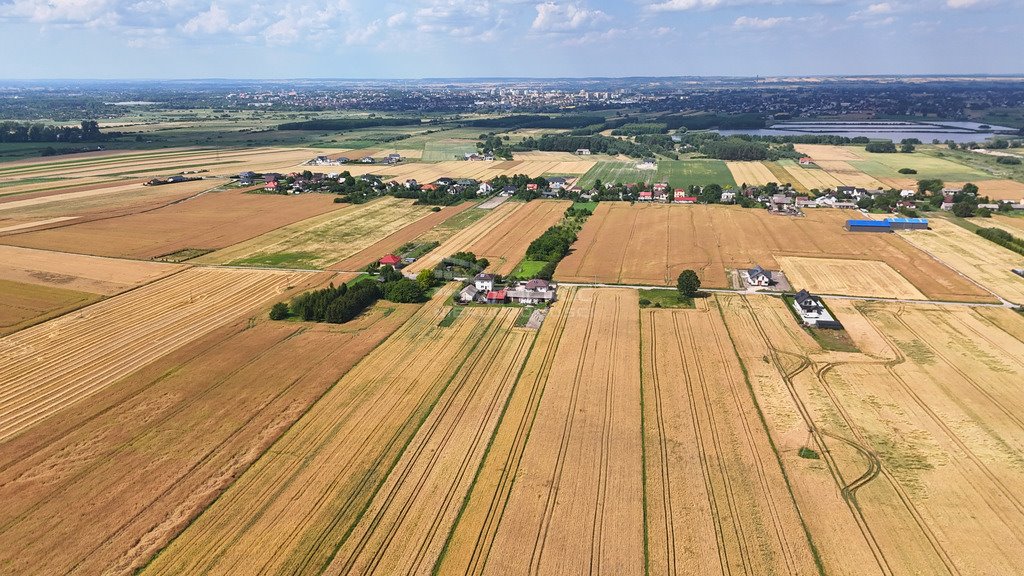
(466,236)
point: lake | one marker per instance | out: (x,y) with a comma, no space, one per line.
(959,132)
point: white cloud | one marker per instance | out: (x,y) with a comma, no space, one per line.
(212,21)
(963,3)
(397,19)
(748,22)
(554,17)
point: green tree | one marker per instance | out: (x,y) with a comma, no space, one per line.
(403,291)
(426,279)
(688,284)
(964,209)
(970,189)
(279,311)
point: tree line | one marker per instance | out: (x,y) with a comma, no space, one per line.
(348,123)
(87,131)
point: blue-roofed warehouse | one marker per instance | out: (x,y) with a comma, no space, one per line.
(868,226)
(908,223)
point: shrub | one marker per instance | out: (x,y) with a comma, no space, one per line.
(1008,160)
(279,311)
(645,302)
(808,453)
(881,147)
(907,171)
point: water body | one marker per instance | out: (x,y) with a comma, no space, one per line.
(884,130)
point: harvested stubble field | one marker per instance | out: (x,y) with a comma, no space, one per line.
(1002,189)
(576,502)
(919,427)
(164,163)
(94,274)
(296,505)
(97,202)
(827,152)
(505,244)
(809,178)
(752,173)
(210,221)
(408,522)
(46,368)
(27,304)
(102,488)
(1012,224)
(434,220)
(849,175)
(323,240)
(502,236)
(847,277)
(981,260)
(717,501)
(651,244)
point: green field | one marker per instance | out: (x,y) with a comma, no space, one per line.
(447,149)
(528,268)
(685,173)
(927,163)
(612,172)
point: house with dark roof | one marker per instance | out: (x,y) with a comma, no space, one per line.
(484,282)
(758,276)
(468,294)
(812,311)
(535,291)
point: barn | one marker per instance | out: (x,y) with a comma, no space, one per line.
(908,223)
(868,226)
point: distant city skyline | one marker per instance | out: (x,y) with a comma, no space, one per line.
(162,39)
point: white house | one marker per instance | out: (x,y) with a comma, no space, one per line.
(468,294)
(533,292)
(908,193)
(484,282)
(728,197)
(583,152)
(484,189)
(758,276)
(812,311)
(647,164)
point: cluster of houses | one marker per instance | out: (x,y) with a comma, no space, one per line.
(474,157)
(393,158)
(484,290)
(170,180)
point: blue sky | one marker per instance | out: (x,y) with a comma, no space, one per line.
(459,38)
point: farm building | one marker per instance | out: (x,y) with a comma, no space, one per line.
(812,311)
(868,226)
(497,296)
(468,294)
(583,152)
(758,276)
(908,223)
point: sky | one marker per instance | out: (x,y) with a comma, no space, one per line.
(268,39)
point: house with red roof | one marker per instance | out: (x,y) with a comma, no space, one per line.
(531,187)
(806,161)
(390,260)
(497,296)
(686,199)
(646,196)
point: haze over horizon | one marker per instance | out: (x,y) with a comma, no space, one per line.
(288,39)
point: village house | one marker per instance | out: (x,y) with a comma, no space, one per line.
(484,282)
(645,196)
(583,152)
(367,160)
(485,189)
(947,202)
(532,292)
(812,311)
(508,191)
(728,197)
(444,181)
(497,296)
(531,187)
(390,260)
(686,200)
(805,161)
(394,158)
(270,186)
(556,183)
(908,193)
(410,184)
(473,157)
(758,276)
(648,164)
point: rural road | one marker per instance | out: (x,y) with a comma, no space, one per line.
(1002,304)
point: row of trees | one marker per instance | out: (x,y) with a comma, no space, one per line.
(88,131)
(337,305)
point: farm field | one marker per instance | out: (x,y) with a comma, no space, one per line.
(1012,224)
(926,164)
(211,221)
(847,277)
(360,260)
(717,500)
(827,152)
(810,179)
(101,488)
(502,237)
(1002,189)
(849,175)
(323,240)
(616,171)
(53,365)
(27,304)
(918,427)
(982,261)
(448,149)
(407,524)
(753,173)
(686,173)
(651,244)
(577,496)
(292,509)
(105,276)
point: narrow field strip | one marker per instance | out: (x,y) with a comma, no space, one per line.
(463,238)
(51,366)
